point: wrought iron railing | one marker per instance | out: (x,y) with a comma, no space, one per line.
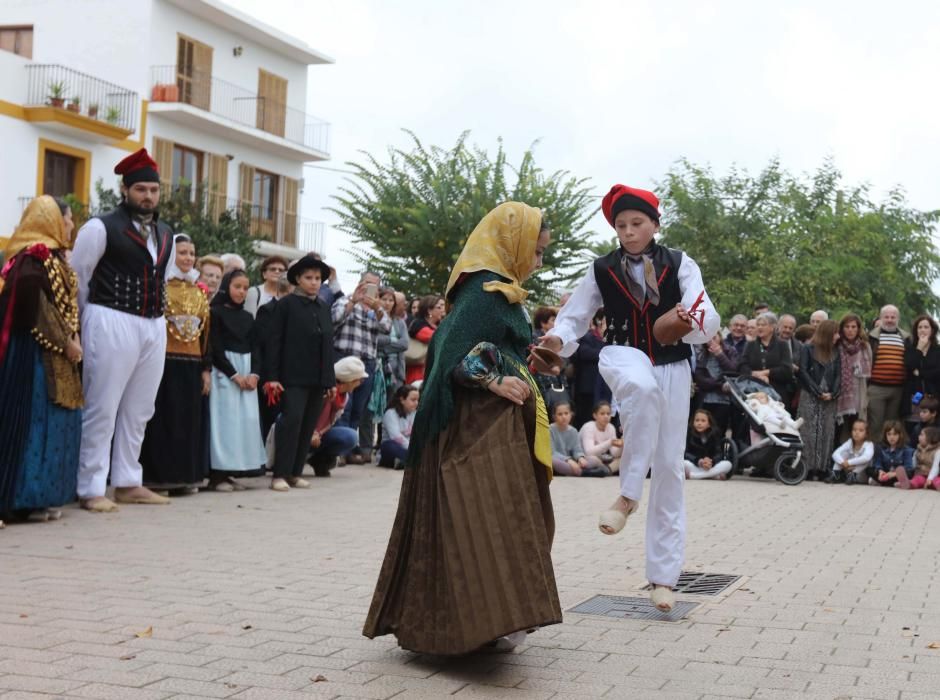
(59,86)
(200,89)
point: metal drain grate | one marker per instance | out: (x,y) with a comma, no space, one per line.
(698,583)
(632,608)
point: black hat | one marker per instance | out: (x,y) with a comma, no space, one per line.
(307,262)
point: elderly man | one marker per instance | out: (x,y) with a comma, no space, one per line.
(886,385)
(737,338)
(818,317)
(232,261)
(786,327)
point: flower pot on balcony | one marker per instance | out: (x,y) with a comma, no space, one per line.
(156,95)
(74,107)
(92,111)
(57,101)
(172,93)
(165,92)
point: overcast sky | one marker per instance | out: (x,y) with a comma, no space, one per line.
(618,91)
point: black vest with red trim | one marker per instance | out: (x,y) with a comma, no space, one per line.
(629,320)
(127,278)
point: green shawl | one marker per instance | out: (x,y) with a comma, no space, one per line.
(476,316)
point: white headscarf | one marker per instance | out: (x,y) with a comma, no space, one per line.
(173,272)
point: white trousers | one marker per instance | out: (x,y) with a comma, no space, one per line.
(719,468)
(654,411)
(123,366)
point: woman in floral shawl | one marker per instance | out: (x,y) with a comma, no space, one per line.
(468,562)
(40,385)
(855,354)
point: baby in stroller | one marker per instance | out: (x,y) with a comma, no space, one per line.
(773,414)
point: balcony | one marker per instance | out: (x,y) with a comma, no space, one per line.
(66,99)
(202,102)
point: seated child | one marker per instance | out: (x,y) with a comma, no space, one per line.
(396,427)
(599,438)
(853,458)
(926,462)
(773,414)
(568,458)
(927,412)
(892,457)
(703,456)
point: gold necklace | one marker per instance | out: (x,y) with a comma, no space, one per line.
(64,284)
(186,311)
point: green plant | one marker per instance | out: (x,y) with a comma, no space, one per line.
(76,100)
(57,90)
(112,115)
(416,210)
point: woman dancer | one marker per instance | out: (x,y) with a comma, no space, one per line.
(468,561)
(174,449)
(40,416)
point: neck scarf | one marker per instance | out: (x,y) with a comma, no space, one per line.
(504,243)
(856,366)
(647,287)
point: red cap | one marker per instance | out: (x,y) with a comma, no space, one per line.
(138,167)
(620,198)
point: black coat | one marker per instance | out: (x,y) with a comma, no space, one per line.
(696,448)
(927,380)
(775,357)
(585,363)
(299,346)
(812,372)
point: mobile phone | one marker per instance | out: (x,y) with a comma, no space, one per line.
(372,291)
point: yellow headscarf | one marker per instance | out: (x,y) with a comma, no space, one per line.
(42,222)
(503,242)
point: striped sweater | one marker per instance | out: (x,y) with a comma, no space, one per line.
(888,363)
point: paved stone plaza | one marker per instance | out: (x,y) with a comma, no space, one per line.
(260,595)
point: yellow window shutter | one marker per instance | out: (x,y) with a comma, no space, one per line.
(217,183)
(246,178)
(291,206)
(163,154)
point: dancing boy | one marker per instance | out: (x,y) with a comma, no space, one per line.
(651,382)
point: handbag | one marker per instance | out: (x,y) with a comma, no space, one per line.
(416,354)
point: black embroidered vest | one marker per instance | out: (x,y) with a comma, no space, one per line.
(127,278)
(629,320)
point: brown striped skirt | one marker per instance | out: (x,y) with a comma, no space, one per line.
(469,557)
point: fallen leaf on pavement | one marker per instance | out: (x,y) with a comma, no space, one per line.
(23,616)
(246,627)
(934,645)
(128,657)
(146,633)
(318,678)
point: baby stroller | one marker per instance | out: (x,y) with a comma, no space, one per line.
(777,454)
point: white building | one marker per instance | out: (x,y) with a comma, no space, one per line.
(216,96)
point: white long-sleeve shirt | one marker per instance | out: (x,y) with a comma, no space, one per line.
(856,458)
(90,246)
(574,318)
(397,427)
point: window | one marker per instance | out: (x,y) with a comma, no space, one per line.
(186,170)
(18,40)
(59,174)
(194,72)
(264,201)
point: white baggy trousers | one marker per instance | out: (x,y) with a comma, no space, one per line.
(123,366)
(654,411)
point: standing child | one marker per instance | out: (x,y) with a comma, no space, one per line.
(892,456)
(637,284)
(300,369)
(599,438)
(703,457)
(852,459)
(235,445)
(926,462)
(396,427)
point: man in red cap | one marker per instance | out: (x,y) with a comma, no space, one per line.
(121,260)
(636,285)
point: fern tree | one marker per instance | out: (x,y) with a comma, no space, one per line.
(415,210)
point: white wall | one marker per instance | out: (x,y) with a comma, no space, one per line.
(168,20)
